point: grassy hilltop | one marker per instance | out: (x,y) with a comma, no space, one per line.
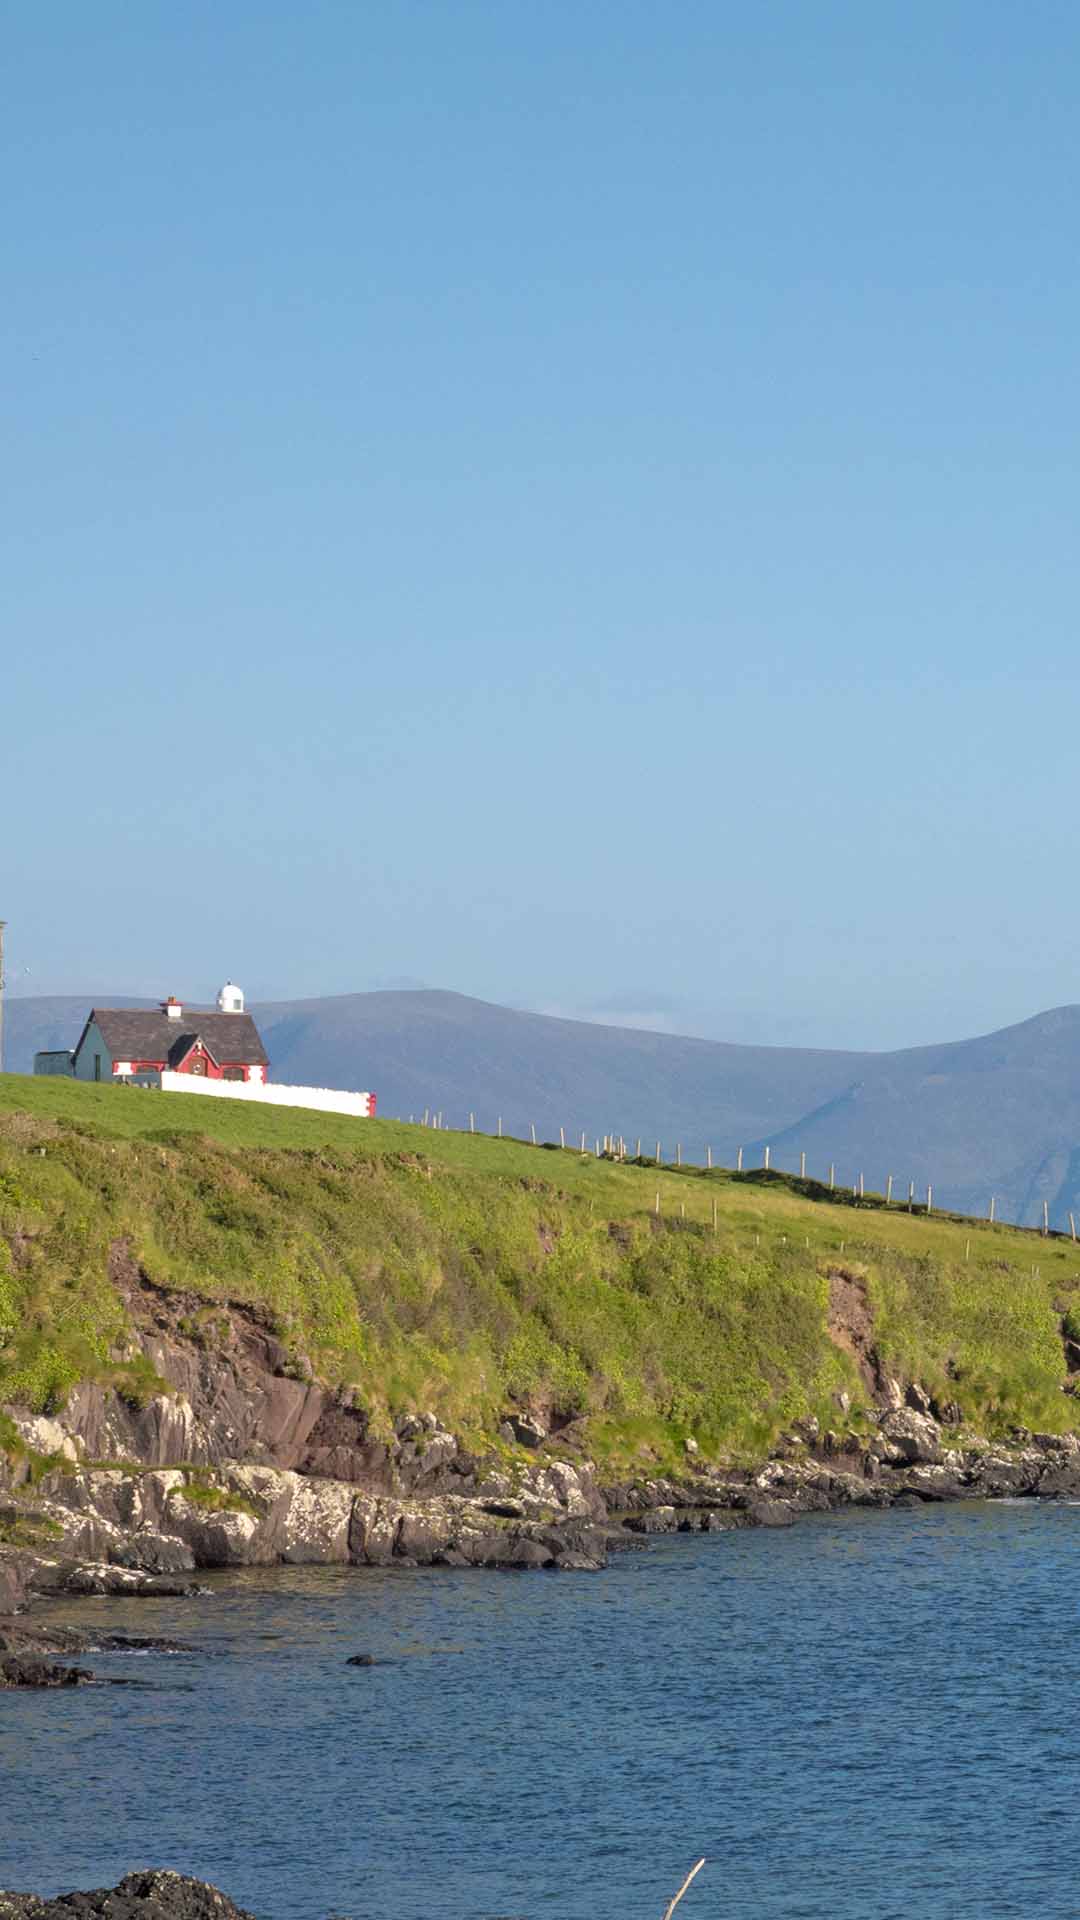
(435,1269)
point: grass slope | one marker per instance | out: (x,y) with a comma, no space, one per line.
(433,1269)
(995,1115)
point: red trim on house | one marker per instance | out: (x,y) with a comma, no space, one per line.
(196,1052)
(214,1070)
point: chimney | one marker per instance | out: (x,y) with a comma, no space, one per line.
(172,1007)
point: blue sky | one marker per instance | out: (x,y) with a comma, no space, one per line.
(571,503)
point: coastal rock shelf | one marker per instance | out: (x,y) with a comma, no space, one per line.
(112,1530)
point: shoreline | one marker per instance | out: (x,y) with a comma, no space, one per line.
(553,1518)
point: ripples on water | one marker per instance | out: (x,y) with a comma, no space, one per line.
(867,1716)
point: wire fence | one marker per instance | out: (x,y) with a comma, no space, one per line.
(615,1147)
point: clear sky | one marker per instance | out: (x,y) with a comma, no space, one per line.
(572,502)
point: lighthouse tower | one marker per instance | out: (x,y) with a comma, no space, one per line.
(230,999)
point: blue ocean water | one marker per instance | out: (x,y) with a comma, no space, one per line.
(866,1716)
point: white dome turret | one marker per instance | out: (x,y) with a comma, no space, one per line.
(230,999)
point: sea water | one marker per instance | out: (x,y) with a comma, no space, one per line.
(868,1715)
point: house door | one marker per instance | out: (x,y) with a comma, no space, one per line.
(198,1065)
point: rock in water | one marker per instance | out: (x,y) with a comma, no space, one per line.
(361,1660)
(140,1896)
(25,1670)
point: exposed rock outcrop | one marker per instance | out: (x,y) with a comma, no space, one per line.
(141,1896)
(244,1459)
(911,1437)
(26,1670)
(139,1534)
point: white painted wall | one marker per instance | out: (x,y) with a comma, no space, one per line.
(320,1099)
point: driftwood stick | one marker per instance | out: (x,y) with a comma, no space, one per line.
(669,1910)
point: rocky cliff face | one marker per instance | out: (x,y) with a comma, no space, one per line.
(240,1458)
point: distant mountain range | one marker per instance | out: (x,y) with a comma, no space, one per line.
(997,1115)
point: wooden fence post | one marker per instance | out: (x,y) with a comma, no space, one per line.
(714,1216)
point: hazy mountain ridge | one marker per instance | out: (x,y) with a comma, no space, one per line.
(998,1114)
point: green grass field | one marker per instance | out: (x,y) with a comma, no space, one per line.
(436,1269)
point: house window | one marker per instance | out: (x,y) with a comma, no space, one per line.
(198,1065)
(233,1073)
(97,1066)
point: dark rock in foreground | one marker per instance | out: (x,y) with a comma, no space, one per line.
(24,1670)
(140,1896)
(28,1637)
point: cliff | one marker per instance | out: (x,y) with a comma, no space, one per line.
(315,1339)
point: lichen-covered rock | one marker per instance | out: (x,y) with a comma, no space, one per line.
(568,1488)
(1009,1473)
(772,1513)
(914,1436)
(504,1549)
(98,1577)
(421,1536)
(46,1436)
(154,1553)
(314,1530)
(657,1520)
(373,1526)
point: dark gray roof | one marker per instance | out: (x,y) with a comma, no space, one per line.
(232,1038)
